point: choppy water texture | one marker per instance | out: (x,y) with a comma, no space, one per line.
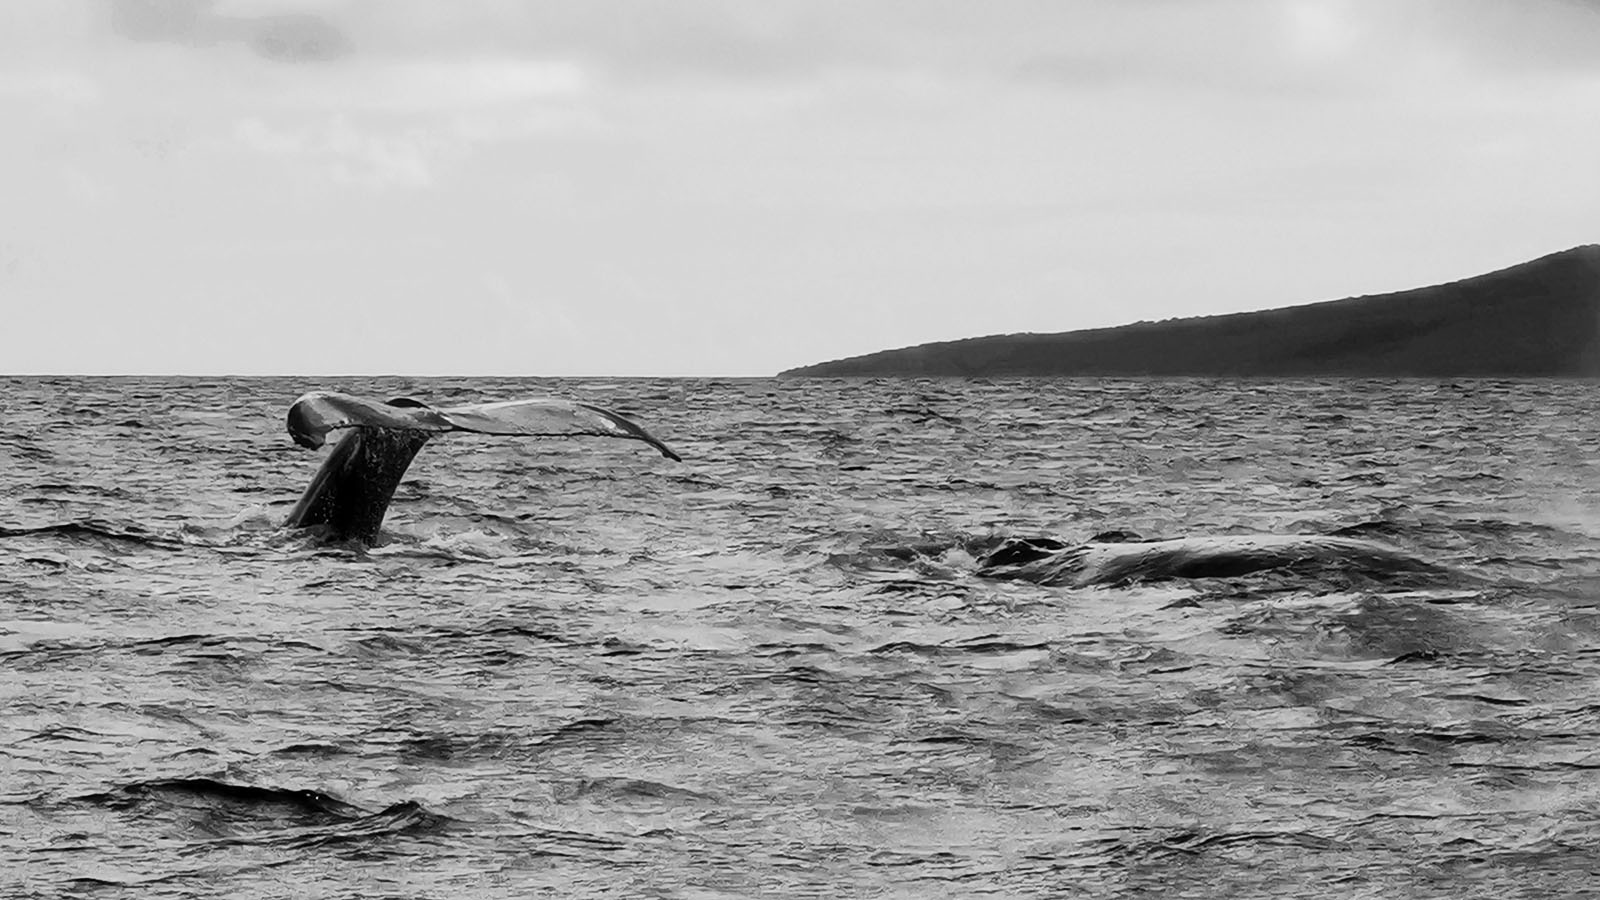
(577,669)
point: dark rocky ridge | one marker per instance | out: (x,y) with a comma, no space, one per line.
(1539,318)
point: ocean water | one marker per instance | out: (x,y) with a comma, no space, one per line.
(577,669)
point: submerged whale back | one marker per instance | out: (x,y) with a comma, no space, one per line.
(1125,562)
(351,492)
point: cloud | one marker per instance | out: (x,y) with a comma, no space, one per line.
(55,87)
(178,21)
(459,85)
(1307,46)
(292,37)
(1244,46)
(346,154)
(886,160)
(799,38)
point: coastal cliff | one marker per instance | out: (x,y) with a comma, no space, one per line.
(1539,318)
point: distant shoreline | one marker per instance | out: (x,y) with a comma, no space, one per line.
(1538,319)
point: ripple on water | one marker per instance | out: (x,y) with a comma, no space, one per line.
(773,670)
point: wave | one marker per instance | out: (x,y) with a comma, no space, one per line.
(98,529)
(984,644)
(500,744)
(222,796)
(256,532)
(621,789)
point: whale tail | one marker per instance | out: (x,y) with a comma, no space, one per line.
(350,494)
(315,414)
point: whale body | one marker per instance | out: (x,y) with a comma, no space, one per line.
(1110,563)
(350,494)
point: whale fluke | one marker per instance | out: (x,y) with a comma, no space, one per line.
(317,413)
(351,492)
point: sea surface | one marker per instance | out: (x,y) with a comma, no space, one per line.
(577,669)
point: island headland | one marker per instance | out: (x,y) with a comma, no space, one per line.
(1536,319)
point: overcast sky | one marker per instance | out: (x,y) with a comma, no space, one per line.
(732,187)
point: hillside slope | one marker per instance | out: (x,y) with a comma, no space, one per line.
(1539,318)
